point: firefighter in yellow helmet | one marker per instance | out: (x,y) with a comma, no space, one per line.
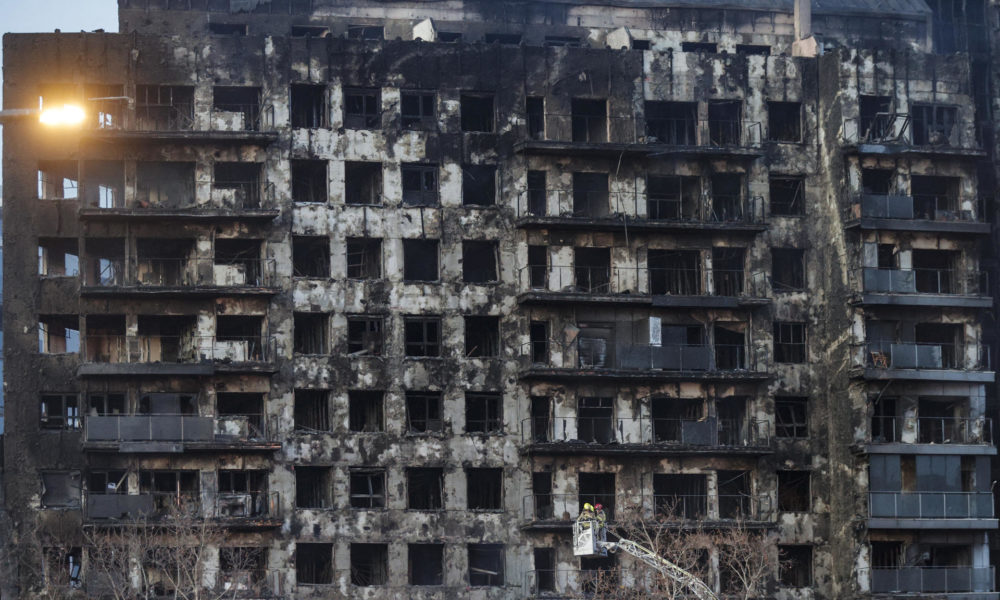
(587,514)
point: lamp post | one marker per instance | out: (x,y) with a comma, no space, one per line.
(67,115)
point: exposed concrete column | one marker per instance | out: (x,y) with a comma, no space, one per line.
(805,43)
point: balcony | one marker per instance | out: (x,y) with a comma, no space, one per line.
(643,436)
(922,361)
(919,212)
(176,355)
(242,584)
(895,134)
(179,276)
(922,287)
(931,435)
(971,582)
(241,510)
(186,200)
(156,433)
(177,124)
(247,510)
(673,287)
(931,510)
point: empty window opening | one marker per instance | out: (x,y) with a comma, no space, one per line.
(538,333)
(788,269)
(545,570)
(311,335)
(537,202)
(58,257)
(477,113)
(243,407)
(314,563)
(598,488)
(362,109)
(590,195)
(164,107)
(163,338)
(312,411)
(479,185)
(942,420)
(238,262)
(367,488)
(364,258)
(313,487)
(674,272)
(423,412)
(166,403)
(784,121)
(164,184)
(241,103)
(706,47)
(484,489)
(60,489)
(239,184)
(541,492)
(310,31)
(795,566)
(791,415)
(365,32)
(934,125)
(308,105)
(595,346)
(309,181)
(425,488)
(787,195)
(104,261)
(886,555)
(672,123)
(680,496)
(423,336)
(171,489)
(417,110)
(449,37)
(734,495)
(793,491)
(58,180)
(935,197)
(420,184)
(364,335)
(426,564)
(420,260)
(673,198)
(538,267)
(310,256)
(947,337)
(592,269)
(60,411)
(237,29)
(675,420)
(105,405)
(727,197)
(727,271)
(789,342)
(165,262)
(753,50)
(242,493)
(482,337)
(935,273)
(883,424)
(102,184)
(878,182)
(590,120)
(541,419)
(640,44)
(534,108)
(486,565)
(365,411)
(506,39)
(479,261)
(107,482)
(725,127)
(58,334)
(557,41)
(877,120)
(363,183)
(483,412)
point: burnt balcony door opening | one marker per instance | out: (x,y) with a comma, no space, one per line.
(673,123)
(589,120)
(308,106)
(541,495)
(164,185)
(537,194)
(534,109)
(595,419)
(943,420)
(878,182)
(311,411)
(479,185)
(680,496)
(935,197)
(239,184)
(731,413)
(362,108)
(935,273)
(366,411)
(725,122)
(102,184)
(592,270)
(425,488)
(729,340)
(310,256)
(544,561)
(165,262)
(238,262)
(670,198)
(595,346)
(167,338)
(102,482)
(479,261)
(541,419)
(590,195)
(674,272)
(482,337)
(538,267)
(887,554)
(243,101)
(727,197)
(239,338)
(728,271)
(309,181)
(885,423)
(597,488)
(313,487)
(106,404)
(538,338)
(680,420)
(174,492)
(735,501)
(241,414)
(105,341)
(946,338)
(876,118)
(242,493)
(934,125)
(363,184)
(164,107)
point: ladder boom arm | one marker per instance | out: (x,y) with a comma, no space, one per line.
(664,566)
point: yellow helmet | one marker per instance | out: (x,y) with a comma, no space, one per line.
(587,506)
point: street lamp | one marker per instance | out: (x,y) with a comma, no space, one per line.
(67,115)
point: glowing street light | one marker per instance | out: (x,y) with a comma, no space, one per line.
(67,115)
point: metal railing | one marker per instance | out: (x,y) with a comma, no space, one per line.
(180,272)
(167,118)
(903,129)
(930,505)
(159,194)
(242,194)
(178,349)
(178,428)
(144,505)
(955,282)
(598,354)
(711,431)
(644,281)
(708,133)
(658,507)
(932,430)
(926,355)
(926,207)
(247,505)
(563,507)
(909,580)
(633,205)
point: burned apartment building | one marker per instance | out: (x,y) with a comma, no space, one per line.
(388,289)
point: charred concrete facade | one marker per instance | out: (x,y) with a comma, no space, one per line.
(390,289)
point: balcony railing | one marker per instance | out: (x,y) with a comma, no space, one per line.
(233,506)
(178,349)
(180,272)
(925,207)
(243,584)
(228,506)
(161,194)
(653,507)
(938,580)
(711,431)
(925,281)
(899,129)
(598,353)
(645,281)
(181,118)
(706,133)
(930,505)
(926,355)
(228,429)
(643,207)
(932,430)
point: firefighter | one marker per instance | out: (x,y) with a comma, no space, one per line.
(602,526)
(586,515)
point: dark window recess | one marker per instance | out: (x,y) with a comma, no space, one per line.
(362,109)
(557,41)
(534,108)
(364,335)
(313,487)
(479,262)
(486,565)
(640,44)
(309,181)
(417,110)
(728,271)
(877,120)
(310,256)
(364,258)
(60,411)
(727,197)
(482,336)
(671,414)
(541,493)
(752,50)
(484,488)
(590,195)
(793,491)
(506,39)
(788,269)
(239,99)
(164,107)
(367,488)
(784,121)
(592,269)
(680,496)
(935,197)
(103,183)
(538,333)
(787,195)
(245,405)
(789,342)
(420,187)
(62,567)
(365,32)
(314,563)
(423,412)
(479,185)
(107,404)
(589,120)
(545,570)
(58,334)
(795,566)
(541,420)
(934,125)
(310,333)
(366,412)
(483,412)
(362,183)
(312,410)
(420,260)
(706,47)
(107,482)
(673,198)
(308,106)
(674,272)
(594,417)
(598,572)
(791,417)
(310,31)
(536,193)
(598,488)
(243,180)
(423,336)
(538,267)
(725,126)
(449,37)
(426,564)
(672,123)
(60,489)
(477,113)
(734,495)
(227,28)
(425,488)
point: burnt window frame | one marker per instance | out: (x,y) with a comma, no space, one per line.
(791,498)
(429,192)
(798,197)
(376,572)
(63,419)
(372,342)
(370,115)
(366,32)
(791,351)
(796,425)
(430,346)
(479,477)
(370,267)
(798,273)
(491,409)
(72,502)
(781,106)
(700,47)
(437,503)
(323,342)
(496,579)
(477,124)
(411,249)
(494,348)
(370,498)
(311,196)
(421,408)
(931,109)
(432,552)
(789,574)
(371,405)
(319,396)
(323,487)
(489,246)
(315,270)
(420,120)
(472,195)
(321,118)
(322,575)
